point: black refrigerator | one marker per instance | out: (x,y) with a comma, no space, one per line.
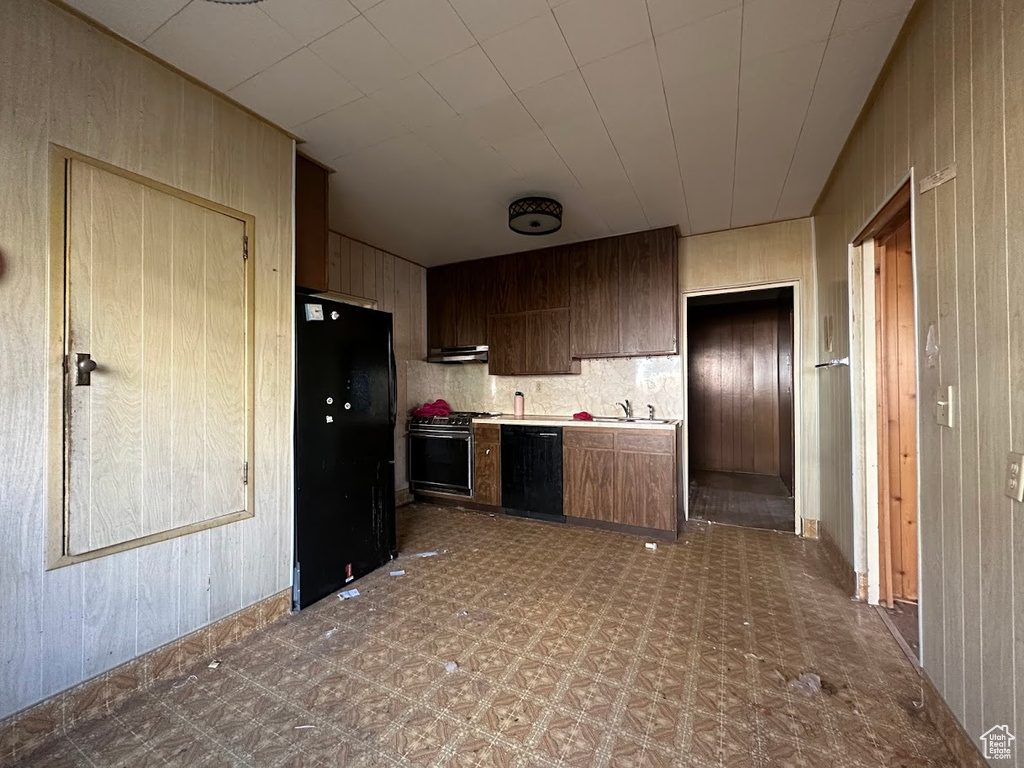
(345,410)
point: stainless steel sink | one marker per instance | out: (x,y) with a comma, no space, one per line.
(624,420)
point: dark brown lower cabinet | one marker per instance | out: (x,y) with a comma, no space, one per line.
(487,464)
(589,473)
(622,476)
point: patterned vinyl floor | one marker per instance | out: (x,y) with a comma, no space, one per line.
(573,647)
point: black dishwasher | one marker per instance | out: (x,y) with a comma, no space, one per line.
(531,472)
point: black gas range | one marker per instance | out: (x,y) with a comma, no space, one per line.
(441,452)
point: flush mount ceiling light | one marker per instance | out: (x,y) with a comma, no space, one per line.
(535,216)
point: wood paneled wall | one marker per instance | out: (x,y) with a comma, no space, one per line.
(67,83)
(398,286)
(770,253)
(950,94)
(734,388)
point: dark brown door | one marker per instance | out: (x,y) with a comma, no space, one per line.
(897,403)
(310,225)
(589,473)
(487,464)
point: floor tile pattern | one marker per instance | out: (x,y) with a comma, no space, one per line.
(737,498)
(573,647)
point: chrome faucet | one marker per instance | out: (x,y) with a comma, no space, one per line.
(650,412)
(627,408)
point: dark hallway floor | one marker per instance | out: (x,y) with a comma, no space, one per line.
(737,498)
(571,647)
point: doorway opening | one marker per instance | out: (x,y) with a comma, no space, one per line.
(884,393)
(740,386)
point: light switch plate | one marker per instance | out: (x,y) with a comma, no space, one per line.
(1014,485)
(944,407)
(314,312)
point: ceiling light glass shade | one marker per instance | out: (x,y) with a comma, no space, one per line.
(535,216)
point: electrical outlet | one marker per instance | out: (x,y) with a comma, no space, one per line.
(1014,486)
(944,407)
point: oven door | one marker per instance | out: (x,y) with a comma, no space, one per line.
(442,462)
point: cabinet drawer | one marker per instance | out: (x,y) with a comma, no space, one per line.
(487,433)
(588,437)
(643,441)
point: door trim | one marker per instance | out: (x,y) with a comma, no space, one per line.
(58,197)
(798,394)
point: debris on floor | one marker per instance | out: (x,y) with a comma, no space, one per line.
(331,631)
(398,573)
(348,594)
(651,545)
(186,681)
(214,664)
(808,684)
(432,553)
(460,614)
(450,667)
(303,727)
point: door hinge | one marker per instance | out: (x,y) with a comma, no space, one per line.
(245,247)
(245,473)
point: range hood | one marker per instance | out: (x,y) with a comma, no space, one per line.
(453,355)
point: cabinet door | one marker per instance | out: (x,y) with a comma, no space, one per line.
(487,465)
(645,490)
(507,335)
(547,349)
(527,282)
(442,329)
(310,225)
(594,277)
(589,474)
(648,288)
(472,285)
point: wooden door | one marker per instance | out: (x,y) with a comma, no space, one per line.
(589,474)
(897,408)
(158,295)
(547,349)
(487,464)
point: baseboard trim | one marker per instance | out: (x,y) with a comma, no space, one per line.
(403,496)
(964,748)
(26,730)
(842,571)
(809,528)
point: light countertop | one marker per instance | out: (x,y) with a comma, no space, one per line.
(568,421)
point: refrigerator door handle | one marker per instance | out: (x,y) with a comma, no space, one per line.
(393,384)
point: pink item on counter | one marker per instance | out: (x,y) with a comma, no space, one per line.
(583,416)
(519,405)
(436,408)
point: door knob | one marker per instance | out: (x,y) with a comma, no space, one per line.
(84,366)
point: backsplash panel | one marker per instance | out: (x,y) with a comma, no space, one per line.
(600,384)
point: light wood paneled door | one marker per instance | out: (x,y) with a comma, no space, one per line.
(158,434)
(897,408)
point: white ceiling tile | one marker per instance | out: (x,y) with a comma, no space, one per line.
(774,96)
(136,21)
(348,129)
(703,111)
(365,5)
(466,80)
(667,15)
(599,28)
(413,102)
(423,31)
(701,49)
(499,120)
(307,20)
(472,159)
(486,18)
(627,87)
(770,26)
(295,90)
(362,55)
(531,53)
(847,74)
(221,44)
(854,14)
(557,99)
(535,160)
(648,154)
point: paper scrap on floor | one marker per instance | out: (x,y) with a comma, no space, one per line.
(348,593)
(398,573)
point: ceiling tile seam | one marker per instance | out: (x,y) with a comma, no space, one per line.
(419,68)
(598,110)
(691,23)
(520,101)
(736,136)
(166,21)
(319,37)
(361,93)
(668,114)
(807,111)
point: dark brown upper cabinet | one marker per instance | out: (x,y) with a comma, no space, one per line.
(625,295)
(310,224)
(531,281)
(530,343)
(457,299)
